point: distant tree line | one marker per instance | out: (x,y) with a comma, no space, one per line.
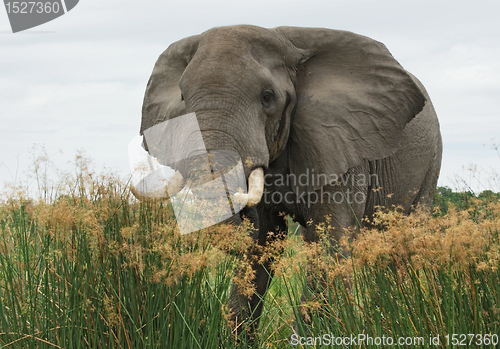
(444,197)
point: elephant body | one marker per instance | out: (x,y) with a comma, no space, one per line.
(337,126)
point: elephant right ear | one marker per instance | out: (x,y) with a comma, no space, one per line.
(163,100)
(354,100)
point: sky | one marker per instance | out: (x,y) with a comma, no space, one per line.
(77,83)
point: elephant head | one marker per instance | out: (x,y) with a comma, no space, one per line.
(330,98)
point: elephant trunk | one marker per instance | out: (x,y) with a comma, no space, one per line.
(153,180)
(154,186)
(230,145)
(225,166)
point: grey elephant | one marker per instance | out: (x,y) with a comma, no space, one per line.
(327,123)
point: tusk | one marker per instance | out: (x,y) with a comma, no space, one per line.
(156,185)
(255,188)
(175,184)
(150,179)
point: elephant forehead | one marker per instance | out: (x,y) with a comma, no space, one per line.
(245,39)
(239,33)
(218,72)
(222,69)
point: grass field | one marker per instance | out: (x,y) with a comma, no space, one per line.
(87,266)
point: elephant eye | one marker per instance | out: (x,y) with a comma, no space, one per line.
(182,97)
(267,98)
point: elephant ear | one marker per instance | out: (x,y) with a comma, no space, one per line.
(354,100)
(163,99)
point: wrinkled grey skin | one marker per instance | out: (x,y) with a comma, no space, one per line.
(297,101)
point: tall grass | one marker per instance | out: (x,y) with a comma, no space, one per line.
(105,282)
(95,268)
(90,267)
(414,279)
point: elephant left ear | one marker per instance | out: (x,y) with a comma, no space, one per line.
(354,100)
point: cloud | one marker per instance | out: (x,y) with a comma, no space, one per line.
(81,86)
(470,76)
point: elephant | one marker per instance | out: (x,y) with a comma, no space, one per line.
(327,123)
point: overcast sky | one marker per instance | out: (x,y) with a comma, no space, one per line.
(77,82)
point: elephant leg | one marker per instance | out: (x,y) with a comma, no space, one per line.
(244,308)
(340,206)
(339,213)
(245,311)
